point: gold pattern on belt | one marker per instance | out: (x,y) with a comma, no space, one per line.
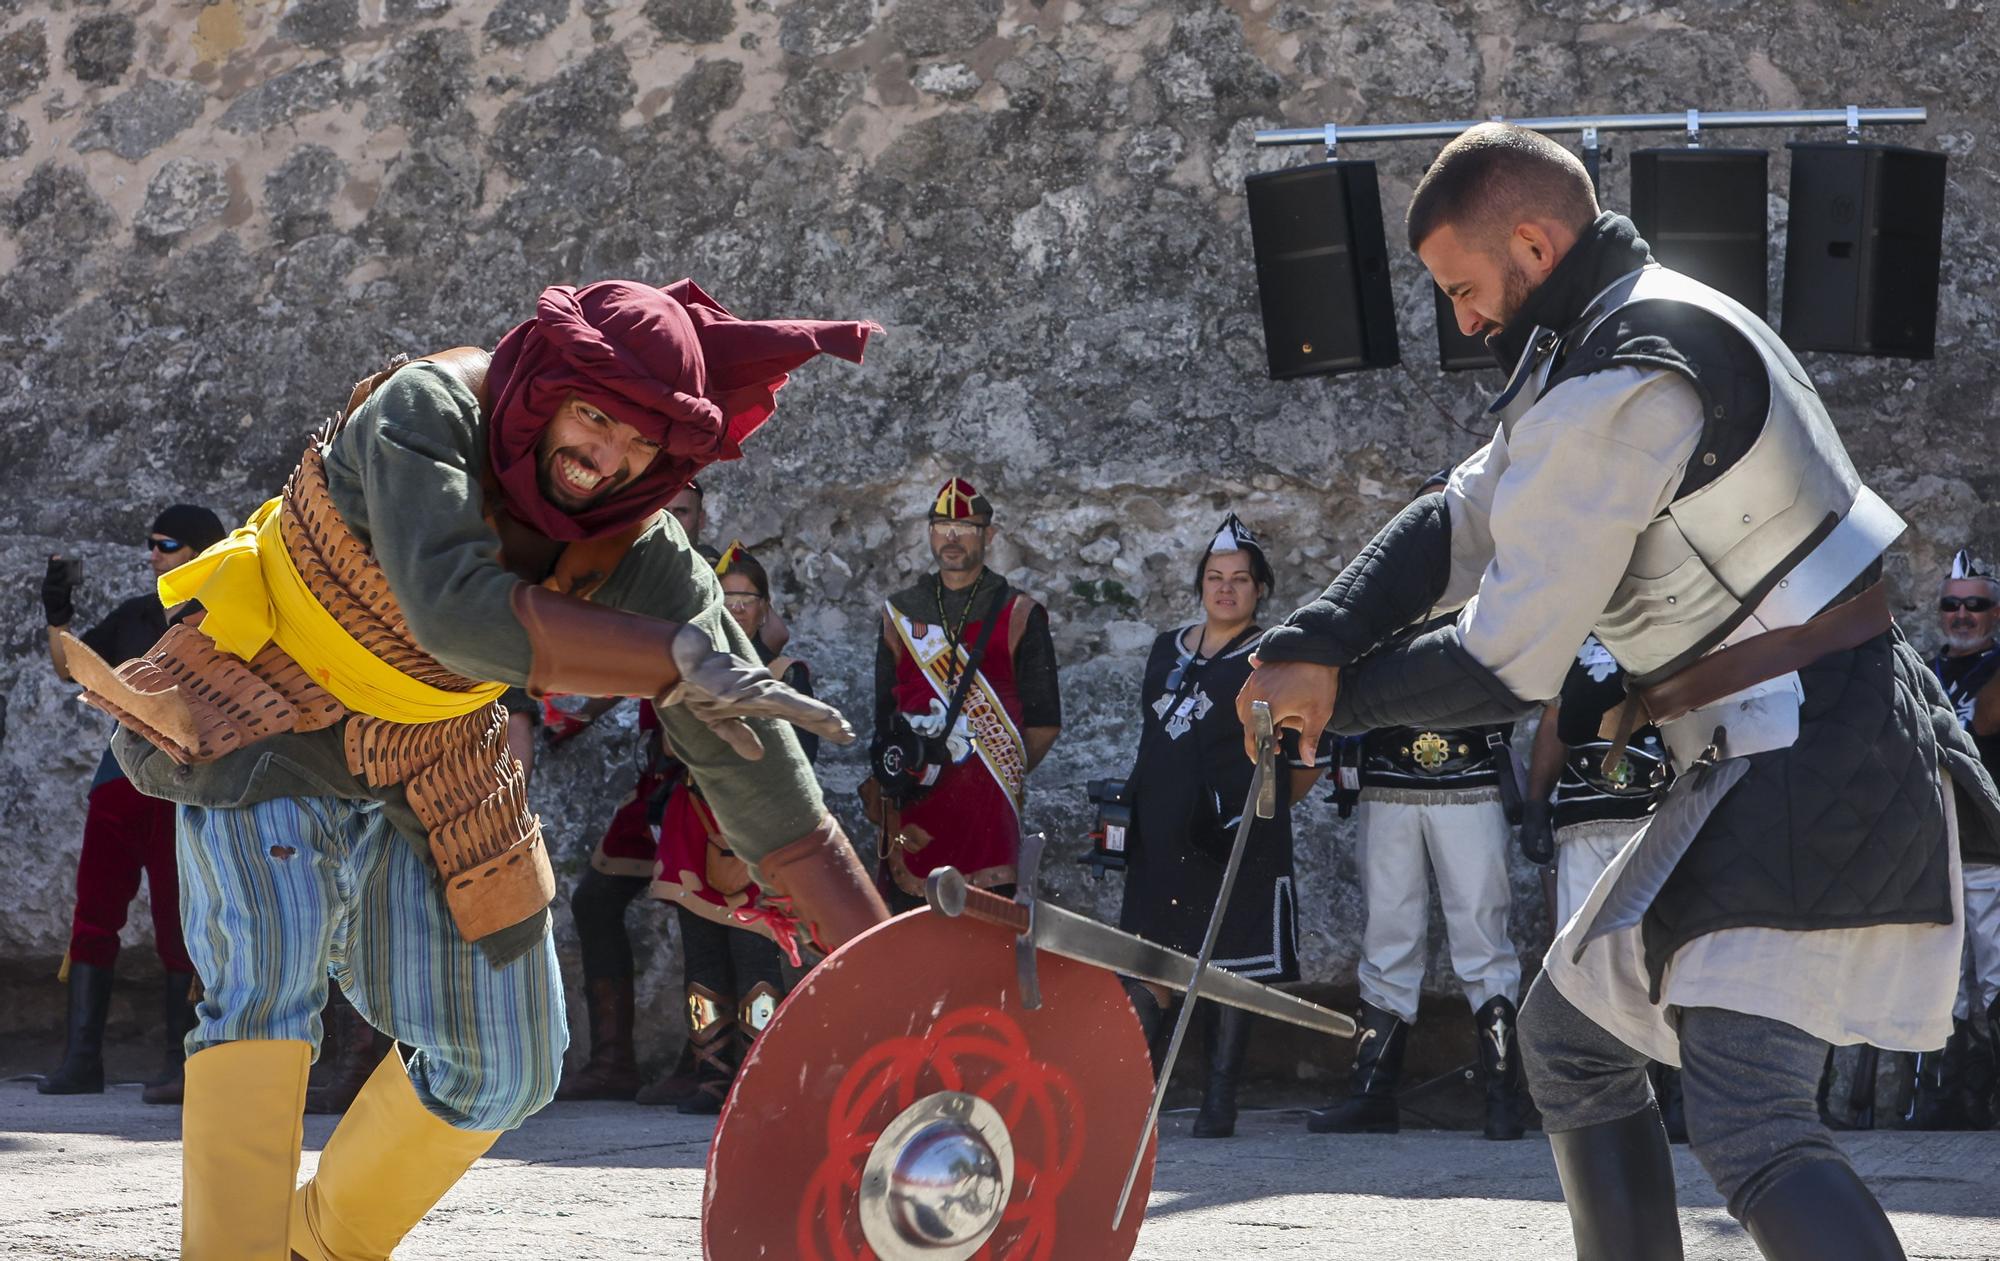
(1430,751)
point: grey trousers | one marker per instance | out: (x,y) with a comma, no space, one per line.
(1749,1083)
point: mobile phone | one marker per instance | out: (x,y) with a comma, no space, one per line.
(73,570)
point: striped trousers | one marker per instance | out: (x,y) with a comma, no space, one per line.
(277,896)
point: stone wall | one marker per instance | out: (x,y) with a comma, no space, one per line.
(216,216)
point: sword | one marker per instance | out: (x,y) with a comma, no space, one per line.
(1262,803)
(1061,931)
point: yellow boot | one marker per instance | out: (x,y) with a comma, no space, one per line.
(241,1122)
(388,1162)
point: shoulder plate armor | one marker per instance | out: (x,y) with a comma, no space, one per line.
(1770,522)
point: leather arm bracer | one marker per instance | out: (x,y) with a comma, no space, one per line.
(585,649)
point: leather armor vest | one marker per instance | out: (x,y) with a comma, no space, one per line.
(1764,542)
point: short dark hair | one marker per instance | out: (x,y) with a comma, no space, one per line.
(742,562)
(1260,567)
(1496,175)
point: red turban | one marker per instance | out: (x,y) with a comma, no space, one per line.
(669,362)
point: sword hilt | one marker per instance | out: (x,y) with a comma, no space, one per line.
(1267,760)
(949,895)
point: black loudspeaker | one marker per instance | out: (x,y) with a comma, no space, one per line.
(1456,351)
(1705,212)
(1322,269)
(1861,263)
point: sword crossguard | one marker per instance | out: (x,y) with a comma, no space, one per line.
(1267,760)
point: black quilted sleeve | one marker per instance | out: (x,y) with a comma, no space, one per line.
(1393,583)
(1430,681)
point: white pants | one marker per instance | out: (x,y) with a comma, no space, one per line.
(1583,851)
(1982,942)
(1465,845)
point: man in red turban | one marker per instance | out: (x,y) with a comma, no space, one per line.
(470,522)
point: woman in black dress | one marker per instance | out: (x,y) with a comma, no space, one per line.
(1188,789)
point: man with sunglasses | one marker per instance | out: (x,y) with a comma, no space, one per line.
(949,780)
(1954,1087)
(125,833)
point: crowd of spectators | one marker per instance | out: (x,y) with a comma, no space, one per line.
(966,704)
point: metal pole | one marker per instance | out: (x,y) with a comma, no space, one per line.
(1851,118)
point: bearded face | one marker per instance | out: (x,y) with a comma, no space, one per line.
(584,456)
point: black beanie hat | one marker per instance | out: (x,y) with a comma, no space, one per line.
(191,524)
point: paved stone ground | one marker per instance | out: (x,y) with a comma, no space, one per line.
(98,1177)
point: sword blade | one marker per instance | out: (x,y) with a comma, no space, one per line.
(1267,741)
(1061,931)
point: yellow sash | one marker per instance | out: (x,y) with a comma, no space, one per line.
(253,595)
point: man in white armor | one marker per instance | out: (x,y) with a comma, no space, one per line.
(1663,474)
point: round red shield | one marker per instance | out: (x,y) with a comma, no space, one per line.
(918,1007)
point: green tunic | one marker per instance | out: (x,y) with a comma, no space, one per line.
(404,473)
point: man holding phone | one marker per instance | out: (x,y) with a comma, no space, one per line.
(125,833)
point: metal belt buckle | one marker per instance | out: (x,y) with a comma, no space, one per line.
(1430,751)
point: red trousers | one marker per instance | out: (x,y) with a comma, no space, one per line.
(126,832)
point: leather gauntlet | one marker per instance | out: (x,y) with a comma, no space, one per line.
(586,649)
(822,878)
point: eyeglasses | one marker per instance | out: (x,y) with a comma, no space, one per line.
(169,546)
(741,603)
(1970,603)
(956,529)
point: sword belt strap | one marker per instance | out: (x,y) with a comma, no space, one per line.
(1760,658)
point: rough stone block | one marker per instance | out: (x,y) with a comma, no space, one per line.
(183,193)
(691,21)
(142,118)
(24,61)
(100,47)
(518,23)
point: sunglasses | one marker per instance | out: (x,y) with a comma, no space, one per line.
(956,529)
(734,602)
(1970,603)
(169,546)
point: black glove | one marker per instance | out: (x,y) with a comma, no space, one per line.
(1538,836)
(57,585)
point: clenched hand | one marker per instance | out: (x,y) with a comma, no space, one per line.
(1301,698)
(723,691)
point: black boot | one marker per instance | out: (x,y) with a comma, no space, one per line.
(1673,1104)
(357,1048)
(1938,1102)
(1370,1106)
(177,1016)
(82,1069)
(712,1030)
(1152,1019)
(1975,1079)
(1618,1180)
(1228,1030)
(1499,1067)
(1821,1211)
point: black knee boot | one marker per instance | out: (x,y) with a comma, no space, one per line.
(1499,1067)
(1370,1106)
(1152,1019)
(1673,1105)
(1618,1180)
(177,991)
(82,1069)
(1821,1211)
(1228,1031)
